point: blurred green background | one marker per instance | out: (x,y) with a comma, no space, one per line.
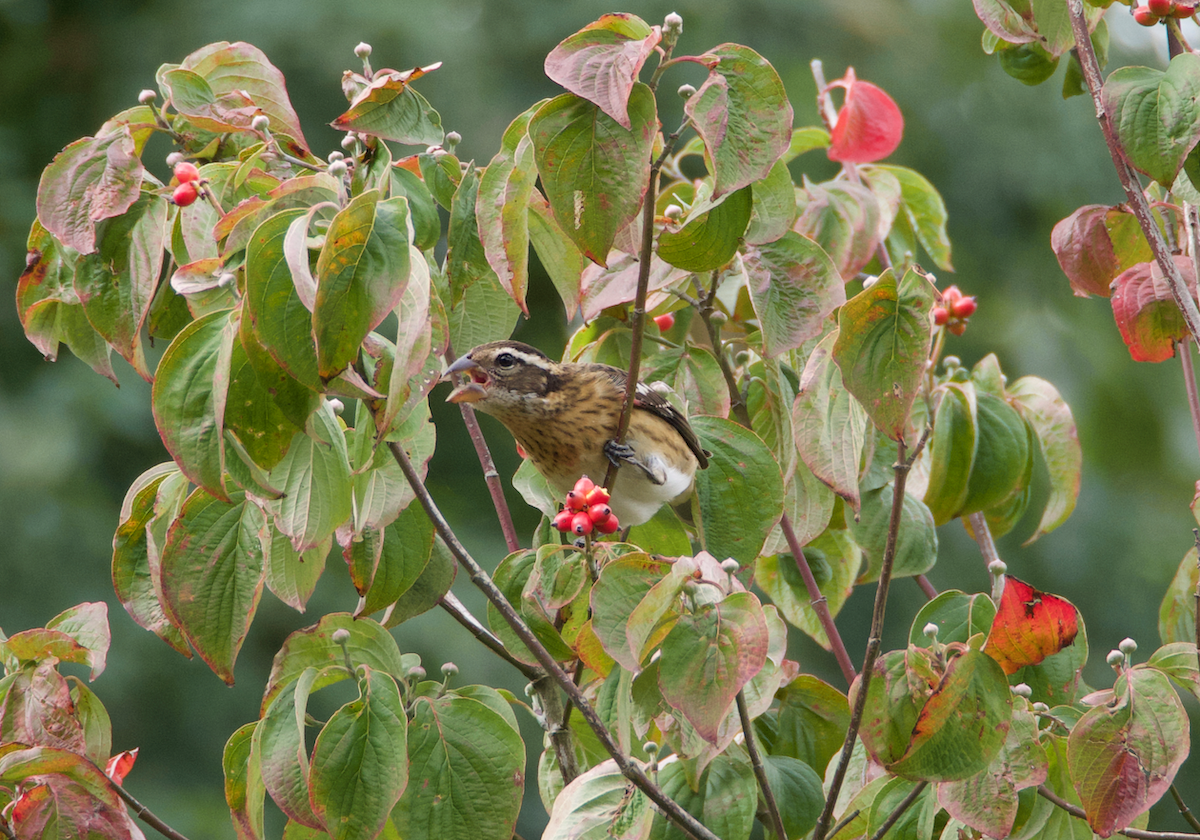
(1009,160)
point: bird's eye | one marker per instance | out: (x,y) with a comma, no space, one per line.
(506,360)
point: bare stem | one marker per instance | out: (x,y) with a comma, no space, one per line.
(899,811)
(983,536)
(927,587)
(145,814)
(631,770)
(1184,811)
(1140,834)
(458,610)
(900,468)
(760,772)
(1126,175)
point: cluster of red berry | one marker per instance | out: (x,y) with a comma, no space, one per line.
(188,190)
(665,321)
(587,510)
(1155,10)
(953,310)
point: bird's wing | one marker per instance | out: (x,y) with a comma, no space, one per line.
(647,399)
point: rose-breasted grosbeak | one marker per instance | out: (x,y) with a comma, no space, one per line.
(565,416)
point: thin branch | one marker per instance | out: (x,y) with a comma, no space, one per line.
(458,610)
(899,811)
(900,468)
(927,587)
(556,727)
(145,814)
(847,818)
(1128,178)
(5,830)
(707,307)
(1184,811)
(1140,834)
(632,771)
(760,772)
(639,303)
(1196,594)
(817,601)
(983,536)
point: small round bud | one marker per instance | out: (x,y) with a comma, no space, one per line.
(730,566)
(1040,707)
(338,169)
(529,690)
(930,630)
(261,123)
(686,91)
(1127,646)
(997,568)
(348,141)
(174,159)
(449,669)
(227,279)
(432,150)
(673,212)
(870,280)
(337,405)
(650,747)
(416,672)
(1022,690)
(341,636)
(147,96)
(453,138)
(363,50)
(673,23)
(1115,659)
(951,362)
(742,357)
(718,318)
(334,157)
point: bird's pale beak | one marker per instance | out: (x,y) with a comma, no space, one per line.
(472,391)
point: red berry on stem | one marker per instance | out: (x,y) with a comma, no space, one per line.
(562,520)
(185,194)
(584,486)
(958,327)
(1183,10)
(951,295)
(1162,8)
(964,308)
(940,315)
(665,322)
(598,496)
(599,512)
(1144,16)
(186,171)
(581,524)
(609,525)
(576,500)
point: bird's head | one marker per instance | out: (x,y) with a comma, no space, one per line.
(503,372)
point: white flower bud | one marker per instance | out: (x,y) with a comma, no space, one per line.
(650,747)
(930,630)
(337,405)
(1041,708)
(673,212)
(416,673)
(730,566)
(334,157)
(147,96)
(341,636)
(1127,647)
(226,280)
(338,168)
(174,159)
(997,568)
(453,139)
(363,50)
(686,91)
(260,123)
(349,140)
(1022,690)
(869,281)
(673,23)
(1115,658)
(449,669)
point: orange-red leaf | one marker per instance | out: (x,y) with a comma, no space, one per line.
(1029,626)
(869,125)
(119,765)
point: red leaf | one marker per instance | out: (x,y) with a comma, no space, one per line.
(1085,250)
(1146,313)
(869,125)
(1029,626)
(119,765)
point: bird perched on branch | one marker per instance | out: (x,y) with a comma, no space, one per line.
(565,416)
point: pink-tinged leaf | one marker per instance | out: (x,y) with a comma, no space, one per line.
(1050,417)
(1145,310)
(87,625)
(388,108)
(604,287)
(557,252)
(1155,115)
(869,124)
(743,115)
(280,741)
(1125,754)
(622,585)
(214,556)
(240,71)
(1005,22)
(67,797)
(601,62)
(1029,626)
(794,287)
(37,710)
(594,171)
(119,765)
(92,179)
(502,208)
(709,655)
(844,219)
(1095,244)
(829,424)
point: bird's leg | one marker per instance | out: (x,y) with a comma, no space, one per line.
(618,452)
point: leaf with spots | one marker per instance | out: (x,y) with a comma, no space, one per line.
(1029,626)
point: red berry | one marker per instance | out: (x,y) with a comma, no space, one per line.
(562,520)
(584,486)
(521,450)
(185,194)
(1183,10)
(609,525)
(186,171)
(598,496)
(1144,16)
(958,327)
(1162,8)
(598,512)
(940,315)
(964,308)
(951,295)
(665,322)
(581,524)
(575,500)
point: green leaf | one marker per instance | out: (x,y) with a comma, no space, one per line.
(1050,417)
(621,587)
(797,790)
(794,287)
(212,575)
(951,452)
(427,226)
(244,790)
(844,219)
(1155,115)
(361,274)
(466,260)
(739,497)
(407,547)
(924,209)
(723,798)
(834,559)
(915,823)
(1030,64)
(958,617)
(428,589)
(1001,454)
(512,577)
(743,114)
(711,232)
(360,761)
(597,805)
(279,740)
(601,62)
(774,209)
(594,171)
(811,723)
(1177,612)
(1125,754)
(917,542)
(709,655)
(1146,313)
(293,576)
(389,109)
(557,253)
(884,335)
(461,754)
(1178,661)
